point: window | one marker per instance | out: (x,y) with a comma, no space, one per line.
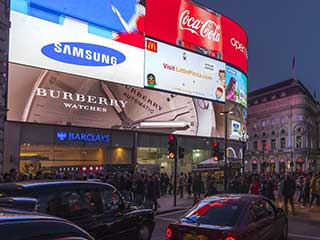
(264,144)
(263,123)
(283,120)
(283,143)
(298,142)
(111,200)
(273,121)
(219,213)
(263,209)
(75,203)
(255,145)
(255,125)
(273,144)
(300,118)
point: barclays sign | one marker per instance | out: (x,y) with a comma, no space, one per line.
(83,137)
(85,54)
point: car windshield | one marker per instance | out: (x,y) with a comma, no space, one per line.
(218,213)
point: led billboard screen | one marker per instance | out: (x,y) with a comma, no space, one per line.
(237,120)
(178,70)
(236,86)
(73,37)
(46,96)
(191,26)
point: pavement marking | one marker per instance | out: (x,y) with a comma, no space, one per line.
(303,236)
(171,213)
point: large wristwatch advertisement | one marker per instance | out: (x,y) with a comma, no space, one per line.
(45,96)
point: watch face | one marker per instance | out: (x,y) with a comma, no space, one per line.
(63,99)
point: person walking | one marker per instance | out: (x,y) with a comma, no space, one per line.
(288,191)
(313,189)
(180,185)
(306,191)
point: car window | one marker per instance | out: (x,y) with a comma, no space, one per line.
(220,213)
(262,209)
(71,203)
(111,199)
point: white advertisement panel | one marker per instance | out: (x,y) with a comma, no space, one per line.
(178,70)
(69,48)
(235,130)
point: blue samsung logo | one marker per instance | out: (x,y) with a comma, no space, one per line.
(85,54)
(83,137)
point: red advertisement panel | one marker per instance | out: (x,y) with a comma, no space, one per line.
(193,27)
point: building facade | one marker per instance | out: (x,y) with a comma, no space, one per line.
(283,125)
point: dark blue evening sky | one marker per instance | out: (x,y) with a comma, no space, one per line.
(278,30)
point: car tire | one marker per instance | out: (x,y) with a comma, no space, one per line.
(284,235)
(144,232)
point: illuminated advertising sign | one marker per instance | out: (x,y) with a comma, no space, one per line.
(99,40)
(190,26)
(173,69)
(82,137)
(237,86)
(237,121)
(46,96)
(235,130)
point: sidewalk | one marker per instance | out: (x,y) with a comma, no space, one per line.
(166,204)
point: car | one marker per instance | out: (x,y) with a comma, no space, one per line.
(96,207)
(231,217)
(20,224)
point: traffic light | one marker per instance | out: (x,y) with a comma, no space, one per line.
(181,153)
(216,151)
(172,148)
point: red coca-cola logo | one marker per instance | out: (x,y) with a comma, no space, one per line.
(207,29)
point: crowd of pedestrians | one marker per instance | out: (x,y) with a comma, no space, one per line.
(145,189)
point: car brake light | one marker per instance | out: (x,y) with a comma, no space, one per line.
(169,233)
(230,238)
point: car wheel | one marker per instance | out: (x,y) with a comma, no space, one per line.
(144,233)
(284,235)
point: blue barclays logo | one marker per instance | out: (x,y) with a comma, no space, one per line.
(85,54)
(83,137)
(61,136)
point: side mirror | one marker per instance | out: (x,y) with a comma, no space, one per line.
(28,204)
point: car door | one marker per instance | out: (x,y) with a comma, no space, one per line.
(119,222)
(251,231)
(265,220)
(81,205)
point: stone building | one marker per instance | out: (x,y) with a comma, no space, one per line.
(283,125)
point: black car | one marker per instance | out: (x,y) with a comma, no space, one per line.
(24,225)
(231,217)
(96,207)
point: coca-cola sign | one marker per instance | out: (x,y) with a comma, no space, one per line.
(206,29)
(193,27)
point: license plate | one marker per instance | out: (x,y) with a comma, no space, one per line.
(189,236)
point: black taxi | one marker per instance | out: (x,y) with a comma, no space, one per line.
(96,207)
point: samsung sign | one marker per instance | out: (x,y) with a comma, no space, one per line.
(84,54)
(82,137)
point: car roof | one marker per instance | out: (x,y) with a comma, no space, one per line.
(12,215)
(242,199)
(46,183)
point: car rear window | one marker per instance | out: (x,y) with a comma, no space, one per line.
(218,213)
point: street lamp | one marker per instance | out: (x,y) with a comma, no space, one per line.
(225,114)
(243,139)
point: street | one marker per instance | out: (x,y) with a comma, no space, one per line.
(304,226)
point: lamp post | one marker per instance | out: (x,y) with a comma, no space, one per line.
(243,139)
(225,114)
